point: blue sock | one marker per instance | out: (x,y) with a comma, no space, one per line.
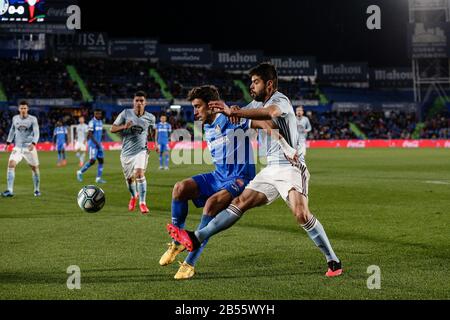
(179,214)
(316,232)
(160,160)
(142,189)
(167,160)
(195,255)
(59,156)
(10,179)
(36,180)
(86,166)
(63,155)
(221,222)
(100,170)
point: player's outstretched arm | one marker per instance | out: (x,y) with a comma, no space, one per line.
(266,113)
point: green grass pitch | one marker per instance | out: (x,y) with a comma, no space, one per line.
(386,207)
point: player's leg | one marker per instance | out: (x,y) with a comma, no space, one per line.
(63,155)
(92,158)
(130,179)
(182,192)
(224,219)
(82,152)
(58,151)
(161,151)
(139,163)
(166,157)
(216,203)
(31,157)
(299,206)
(36,180)
(10,176)
(101,161)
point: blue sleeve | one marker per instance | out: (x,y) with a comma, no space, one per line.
(244,124)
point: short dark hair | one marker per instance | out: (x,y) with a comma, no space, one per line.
(266,71)
(140,93)
(98,110)
(207,93)
(24,103)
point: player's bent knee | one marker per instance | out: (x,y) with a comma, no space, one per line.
(92,161)
(178,190)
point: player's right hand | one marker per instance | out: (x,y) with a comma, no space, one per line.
(220,107)
(233,119)
(128,125)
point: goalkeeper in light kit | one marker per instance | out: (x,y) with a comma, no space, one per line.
(134,125)
(24,133)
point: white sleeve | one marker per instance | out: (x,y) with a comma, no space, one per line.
(283,104)
(120,120)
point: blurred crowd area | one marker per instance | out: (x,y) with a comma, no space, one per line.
(325,126)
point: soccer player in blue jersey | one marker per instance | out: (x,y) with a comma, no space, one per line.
(232,154)
(95,136)
(60,140)
(163,130)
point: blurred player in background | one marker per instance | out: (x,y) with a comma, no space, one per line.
(60,140)
(163,130)
(24,133)
(95,136)
(303,127)
(81,140)
(135,125)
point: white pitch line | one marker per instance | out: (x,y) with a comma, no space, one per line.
(437,182)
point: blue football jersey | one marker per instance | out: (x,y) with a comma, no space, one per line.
(164,130)
(96,127)
(60,134)
(230,148)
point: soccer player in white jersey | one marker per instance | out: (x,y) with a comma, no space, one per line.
(303,127)
(81,140)
(24,133)
(279,178)
(134,125)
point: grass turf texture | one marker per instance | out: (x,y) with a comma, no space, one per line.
(387,207)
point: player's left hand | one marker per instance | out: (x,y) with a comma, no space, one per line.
(157,148)
(220,107)
(31,147)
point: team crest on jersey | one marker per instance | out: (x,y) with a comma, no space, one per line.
(218,129)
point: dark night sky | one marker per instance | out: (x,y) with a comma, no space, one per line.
(332,30)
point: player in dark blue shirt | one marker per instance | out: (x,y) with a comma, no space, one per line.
(60,140)
(163,130)
(95,136)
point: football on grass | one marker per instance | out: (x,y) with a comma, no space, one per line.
(91,199)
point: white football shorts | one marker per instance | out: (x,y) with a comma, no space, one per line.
(31,157)
(130,164)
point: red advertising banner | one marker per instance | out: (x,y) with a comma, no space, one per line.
(351,144)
